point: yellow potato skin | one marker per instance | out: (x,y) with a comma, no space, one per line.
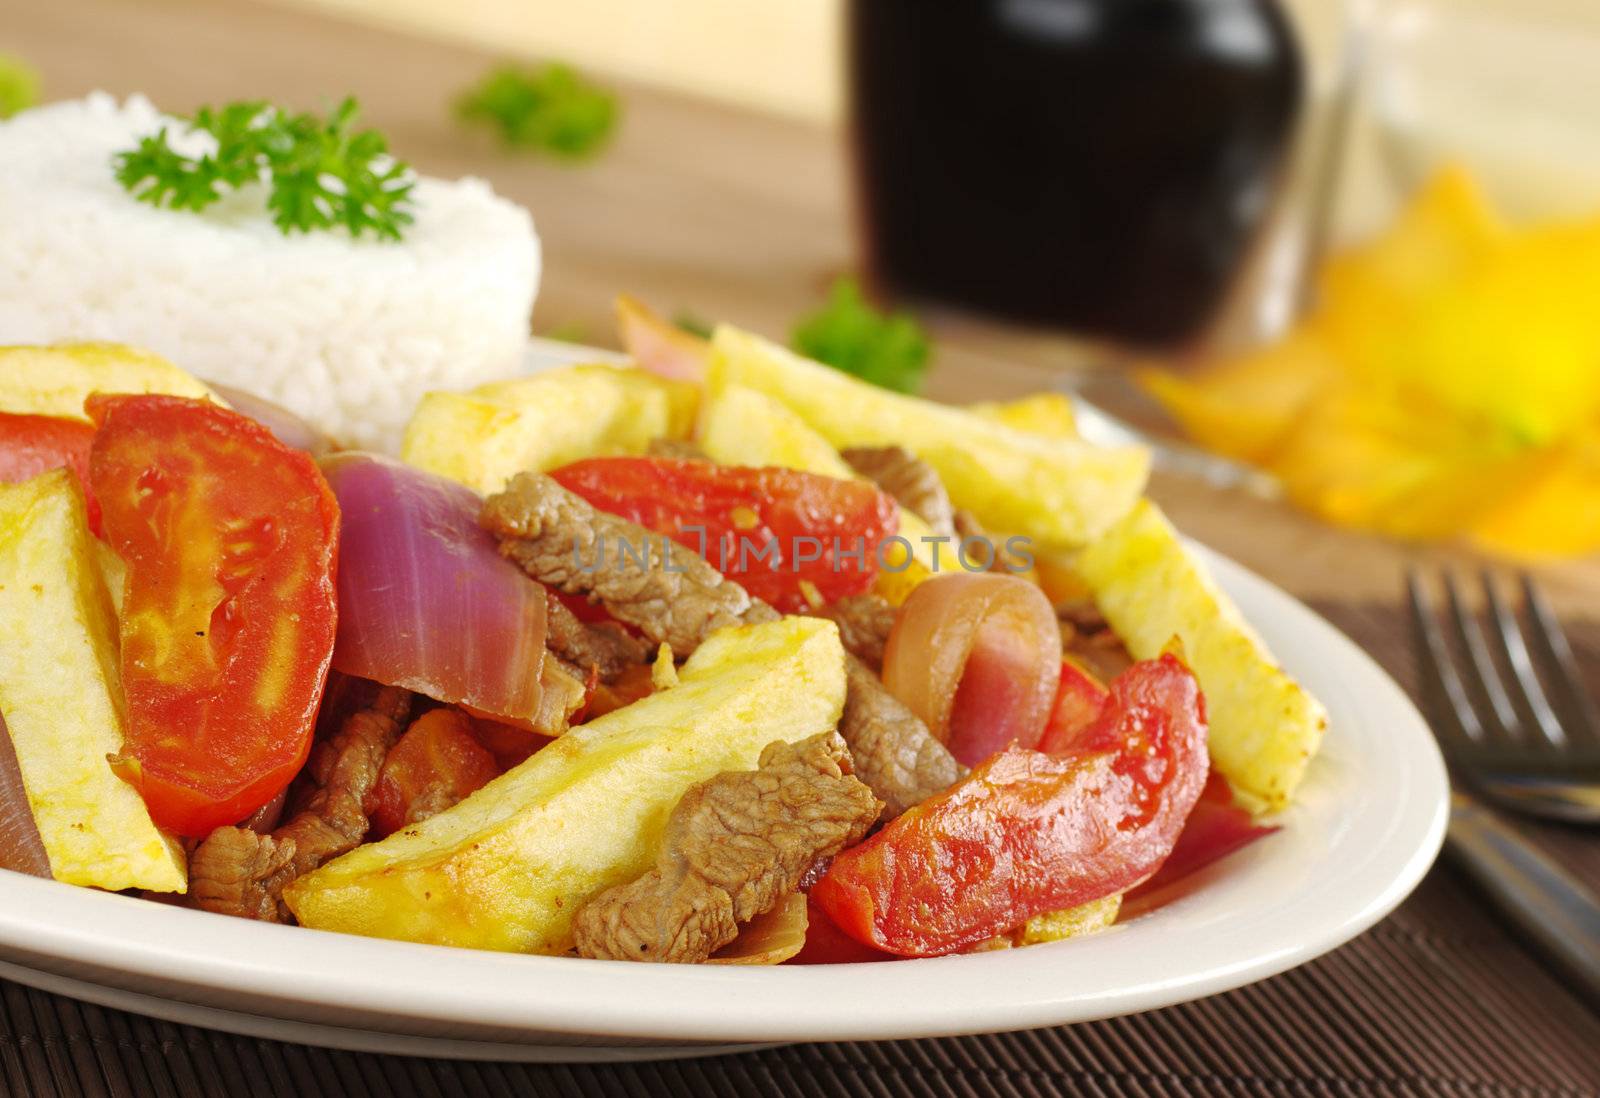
(1265,727)
(54,380)
(509,867)
(61,695)
(1046,414)
(1071,922)
(1058,491)
(484,437)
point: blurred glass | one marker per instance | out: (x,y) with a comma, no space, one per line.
(1102,167)
(1510,88)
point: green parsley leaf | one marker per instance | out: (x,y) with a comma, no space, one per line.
(550,108)
(322,173)
(686,321)
(19,85)
(887,349)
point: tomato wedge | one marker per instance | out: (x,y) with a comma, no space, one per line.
(30,445)
(1216,828)
(228,614)
(1027,832)
(1079,700)
(788,537)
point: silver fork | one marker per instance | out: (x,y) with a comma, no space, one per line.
(1503,737)
(1513,741)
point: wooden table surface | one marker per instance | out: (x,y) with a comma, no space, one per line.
(696,206)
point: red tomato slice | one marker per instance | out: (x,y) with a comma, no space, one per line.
(1216,828)
(1079,699)
(228,614)
(437,757)
(1027,832)
(30,445)
(774,530)
(826,944)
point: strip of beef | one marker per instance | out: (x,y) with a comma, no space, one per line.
(560,540)
(548,531)
(236,871)
(893,750)
(607,648)
(1087,637)
(910,480)
(734,846)
(968,528)
(864,622)
(680,448)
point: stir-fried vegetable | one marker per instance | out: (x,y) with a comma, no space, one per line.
(287,427)
(60,696)
(21,848)
(227,623)
(1028,833)
(1216,828)
(974,655)
(795,539)
(425,601)
(1079,699)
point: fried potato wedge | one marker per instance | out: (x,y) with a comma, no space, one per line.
(1071,922)
(53,380)
(1060,492)
(484,437)
(1264,726)
(509,867)
(1046,414)
(61,696)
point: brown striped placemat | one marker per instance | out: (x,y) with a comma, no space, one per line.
(1440,998)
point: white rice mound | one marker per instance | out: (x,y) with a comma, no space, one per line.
(347,333)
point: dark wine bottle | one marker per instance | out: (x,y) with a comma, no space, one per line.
(1099,166)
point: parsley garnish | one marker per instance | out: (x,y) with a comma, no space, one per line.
(550,108)
(887,349)
(322,173)
(696,326)
(19,85)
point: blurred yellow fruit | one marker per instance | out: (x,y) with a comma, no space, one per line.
(1446,385)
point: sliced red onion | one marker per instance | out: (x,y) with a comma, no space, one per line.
(976,655)
(285,426)
(425,599)
(21,848)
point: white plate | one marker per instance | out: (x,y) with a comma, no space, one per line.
(1366,826)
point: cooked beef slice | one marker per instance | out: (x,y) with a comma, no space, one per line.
(236,871)
(607,648)
(910,480)
(733,846)
(563,542)
(864,622)
(893,750)
(999,557)
(1087,637)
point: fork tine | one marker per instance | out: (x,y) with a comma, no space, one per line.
(1455,721)
(1515,650)
(1559,662)
(1499,710)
